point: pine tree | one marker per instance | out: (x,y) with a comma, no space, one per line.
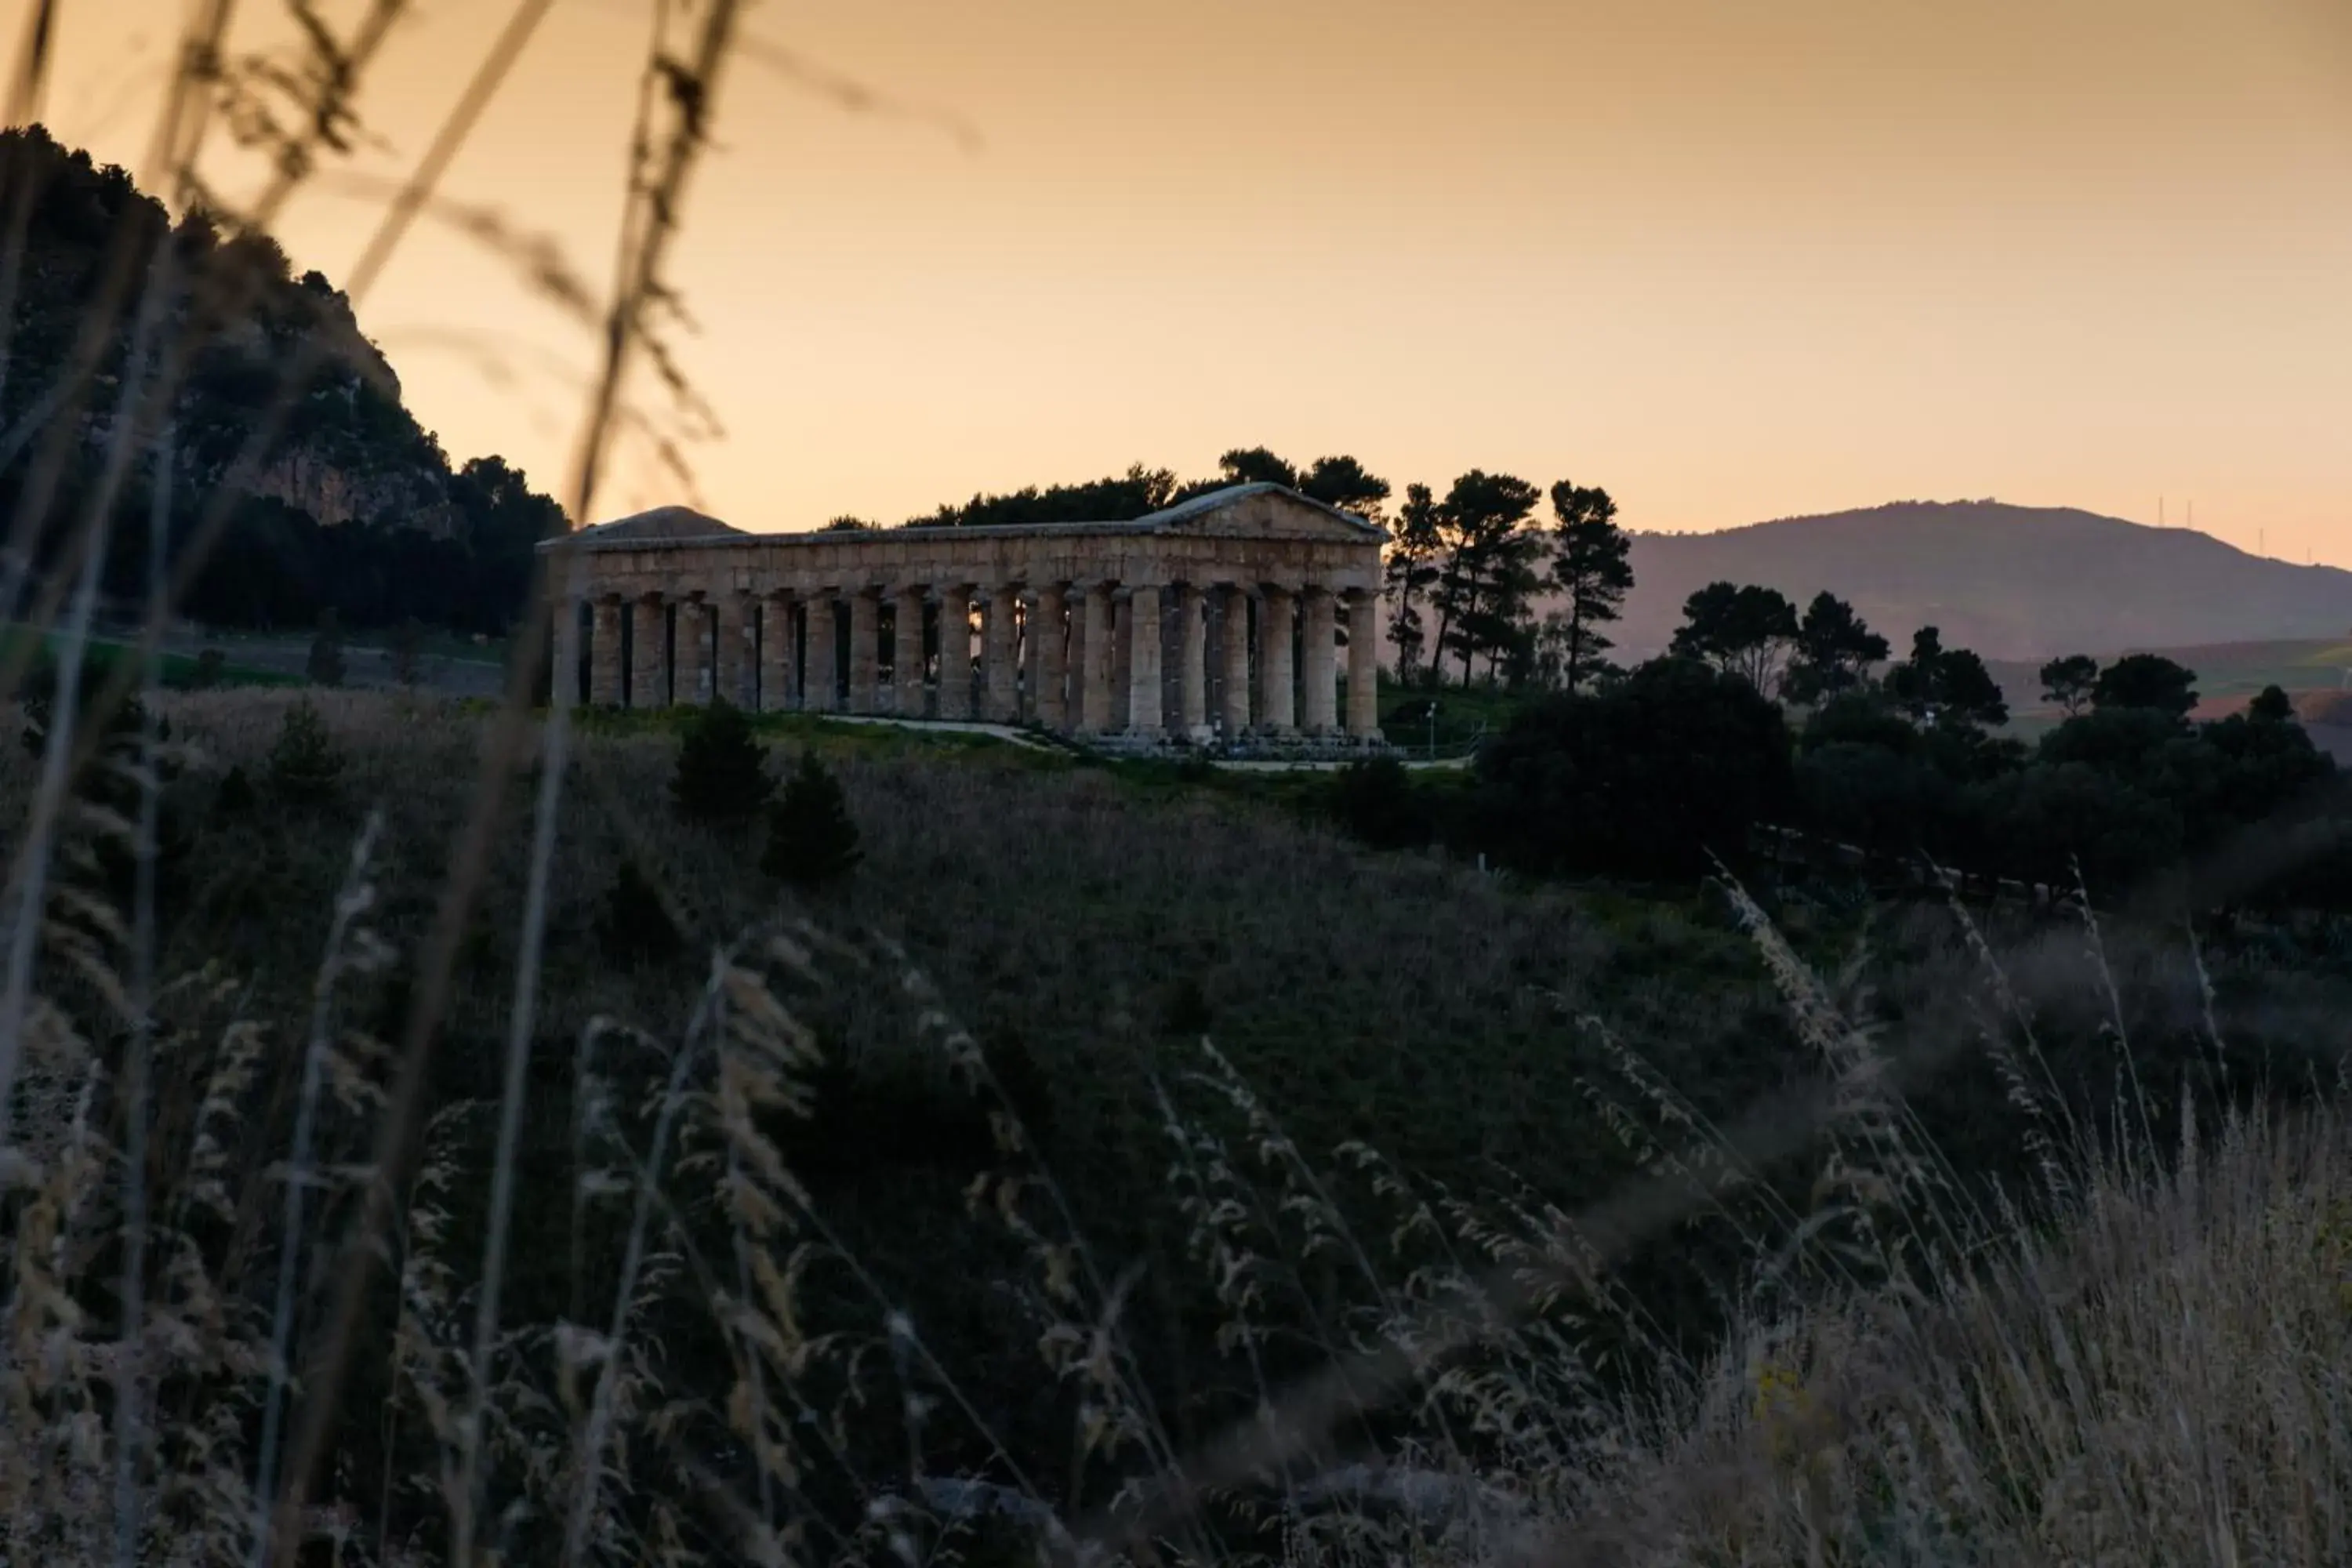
(1411,571)
(304,764)
(812,842)
(1481,595)
(722,773)
(1592,562)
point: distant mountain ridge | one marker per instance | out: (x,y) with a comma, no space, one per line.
(2010,581)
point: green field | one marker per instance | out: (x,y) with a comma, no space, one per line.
(179,671)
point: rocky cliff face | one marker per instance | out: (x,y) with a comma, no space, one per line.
(334,492)
(351,454)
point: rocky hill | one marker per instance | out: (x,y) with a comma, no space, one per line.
(2011,582)
(357,508)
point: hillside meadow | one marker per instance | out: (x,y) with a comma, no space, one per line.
(1099,1106)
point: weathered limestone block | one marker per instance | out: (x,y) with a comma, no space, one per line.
(776,650)
(1193,662)
(821,686)
(1000,672)
(1321,715)
(693,655)
(649,653)
(1048,658)
(906,650)
(1235,629)
(1364,665)
(729,611)
(955,653)
(1144,718)
(1276,712)
(865,653)
(1094,708)
(604,653)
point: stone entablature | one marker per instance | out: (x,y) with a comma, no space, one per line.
(1211,622)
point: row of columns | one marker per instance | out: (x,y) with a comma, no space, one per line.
(1085,657)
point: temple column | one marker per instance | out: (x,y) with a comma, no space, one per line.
(648,658)
(1144,707)
(907,651)
(1321,715)
(1000,669)
(1236,714)
(776,653)
(730,620)
(821,679)
(604,653)
(747,640)
(1193,662)
(1048,659)
(955,653)
(694,650)
(1122,656)
(1094,659)
(865,651)
(1364,665)
(1276,711)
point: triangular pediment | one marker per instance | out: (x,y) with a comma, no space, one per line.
(1263,512)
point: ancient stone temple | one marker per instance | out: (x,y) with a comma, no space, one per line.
(1215,621)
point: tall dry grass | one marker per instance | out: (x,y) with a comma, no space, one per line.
(2132,1359)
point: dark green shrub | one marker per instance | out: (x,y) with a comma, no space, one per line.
(635,926)
(1655,778)
(211,670)
(722,774)
(1376,802)
(1187,1015)
(812,842)
(305,765)
(235,795)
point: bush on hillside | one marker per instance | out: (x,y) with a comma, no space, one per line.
(635,926)
(1656,777)
(305,764)
(1376,803)
(1885,801)
(2044,824)
(722,770)
(233,796)
(811,840)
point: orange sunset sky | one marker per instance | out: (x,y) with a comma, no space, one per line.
(1731,258)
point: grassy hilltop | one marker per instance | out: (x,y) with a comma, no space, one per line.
(1114,1103)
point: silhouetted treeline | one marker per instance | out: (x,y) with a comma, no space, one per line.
(354,508)
(1668,771)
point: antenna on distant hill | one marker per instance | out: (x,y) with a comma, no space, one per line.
(2192,512)
(2159,511)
